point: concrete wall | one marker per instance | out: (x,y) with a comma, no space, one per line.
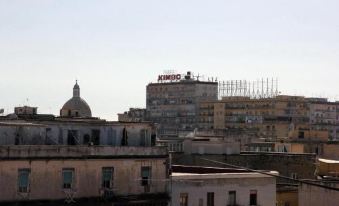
(45,178)
(286,164)
(331,151)
(289,147)
(315,196)
(54,132)
(211,147)
(197,189)
(47,151)
(287,198)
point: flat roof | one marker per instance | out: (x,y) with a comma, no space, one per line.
(190,176)
(182,82)
(328,161)
(26,124)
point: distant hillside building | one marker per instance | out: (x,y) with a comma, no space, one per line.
(25,110)
(133,115)
(173,102)
(296,117)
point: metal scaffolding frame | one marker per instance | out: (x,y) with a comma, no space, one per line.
(261,88)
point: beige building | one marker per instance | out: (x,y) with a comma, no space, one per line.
(324,116)
(326,167)
(296,117)
(273,117)
(275,147)
(36,173)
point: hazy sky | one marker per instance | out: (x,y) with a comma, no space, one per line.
(115,48)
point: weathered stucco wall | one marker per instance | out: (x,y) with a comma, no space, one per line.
(56,132)
(46,165)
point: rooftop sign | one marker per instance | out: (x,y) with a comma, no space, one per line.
(169,77)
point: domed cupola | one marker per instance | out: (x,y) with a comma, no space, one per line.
(76,106)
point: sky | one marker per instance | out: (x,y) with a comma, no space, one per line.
(115,48)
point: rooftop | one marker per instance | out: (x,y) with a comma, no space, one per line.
(328,161)
(190,176)
(197,172)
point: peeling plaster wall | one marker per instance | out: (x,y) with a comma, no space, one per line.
(46,173)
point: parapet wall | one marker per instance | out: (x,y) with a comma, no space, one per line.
(301,165)
(55,152)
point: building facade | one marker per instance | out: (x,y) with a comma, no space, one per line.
(281,116)
(133,115)
(174,102)
(324,116)
(69,174)
(205,186)
(61,131)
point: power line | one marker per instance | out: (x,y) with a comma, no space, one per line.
(273,175)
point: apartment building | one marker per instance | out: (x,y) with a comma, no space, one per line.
(324,115)
(174,102)
(70,174)
(273,117)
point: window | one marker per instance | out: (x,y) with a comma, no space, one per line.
(210,199)
(183,199)
(68,178)
(96,136)
(301,135)
(143,137)
(294,175)
(253,197)
(87,139)
(145,176)
(72,137)
(23,180)
(232,198)
(107,177)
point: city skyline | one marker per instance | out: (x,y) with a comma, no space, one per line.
(115,49)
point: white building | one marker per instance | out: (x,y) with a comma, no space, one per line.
(222,187)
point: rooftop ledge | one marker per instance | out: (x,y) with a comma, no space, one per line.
(213,176)
(79,152)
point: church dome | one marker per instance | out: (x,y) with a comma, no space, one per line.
(76,106)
